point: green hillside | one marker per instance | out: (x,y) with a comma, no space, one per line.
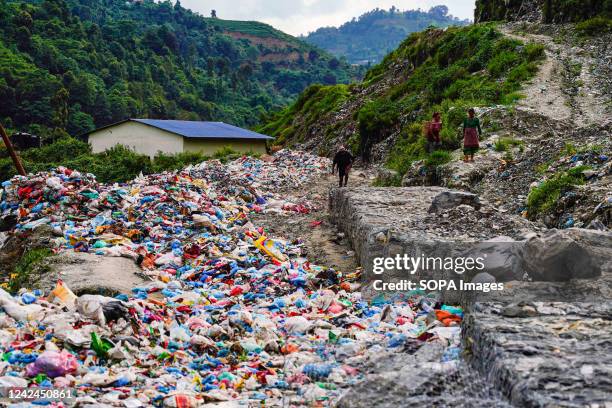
(255,28)
(371,36)
(72,65)
(434,70)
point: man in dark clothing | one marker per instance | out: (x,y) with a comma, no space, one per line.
(343,160)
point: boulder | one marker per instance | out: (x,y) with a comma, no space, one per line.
(93,274)
(501,258)
(562,255)
(386,176)
(451,199)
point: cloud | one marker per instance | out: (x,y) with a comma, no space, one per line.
(302,16)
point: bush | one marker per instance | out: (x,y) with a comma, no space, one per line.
(409,147)
(534,51)
(499,63)
(438,158)
(226,153)
(163,162)
(377,119)
(594,26)
(504,143)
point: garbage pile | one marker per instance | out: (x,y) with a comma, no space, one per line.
(230,314)
(276,175)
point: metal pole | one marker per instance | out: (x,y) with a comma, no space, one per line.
(11,151)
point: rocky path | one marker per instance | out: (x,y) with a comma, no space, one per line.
(574,81)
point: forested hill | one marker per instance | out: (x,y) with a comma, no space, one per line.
(367,39)
(72,65)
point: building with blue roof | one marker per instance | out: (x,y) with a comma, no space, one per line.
(151,136)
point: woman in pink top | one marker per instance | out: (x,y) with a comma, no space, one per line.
(433,132)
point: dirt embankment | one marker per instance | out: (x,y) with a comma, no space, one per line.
(278,50)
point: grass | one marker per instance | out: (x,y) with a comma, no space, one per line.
(569,149)
(438,158)
(503,144)
(543,167)
(32,262)
(290,125)
(544,198)
(594,26)
(491,125)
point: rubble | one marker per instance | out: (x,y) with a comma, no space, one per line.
(447,200)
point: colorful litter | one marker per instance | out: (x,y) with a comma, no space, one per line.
(230,314)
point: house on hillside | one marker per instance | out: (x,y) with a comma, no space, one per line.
(150,136)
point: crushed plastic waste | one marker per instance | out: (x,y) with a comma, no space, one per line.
(230,314)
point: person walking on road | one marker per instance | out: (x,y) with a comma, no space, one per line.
(471,132)
(344,161)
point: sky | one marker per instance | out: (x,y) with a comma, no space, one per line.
(303,16)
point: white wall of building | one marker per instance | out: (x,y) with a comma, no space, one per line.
(141,138)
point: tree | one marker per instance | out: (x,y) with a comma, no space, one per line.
(210,66)
(244,72)
(168,37)
(334,63)
(23,19)
(151,40)
(59,102)
(330,79)
(23,38)
(79,122)
(223,66)
(439,11)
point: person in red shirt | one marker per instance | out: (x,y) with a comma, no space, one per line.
(433,132)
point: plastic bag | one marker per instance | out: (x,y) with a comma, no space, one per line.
(115,310)
(7,382)
(267,246)
(53,364)
(297,324)
(22,313)
(64,295)
(181,401)
(92,307)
